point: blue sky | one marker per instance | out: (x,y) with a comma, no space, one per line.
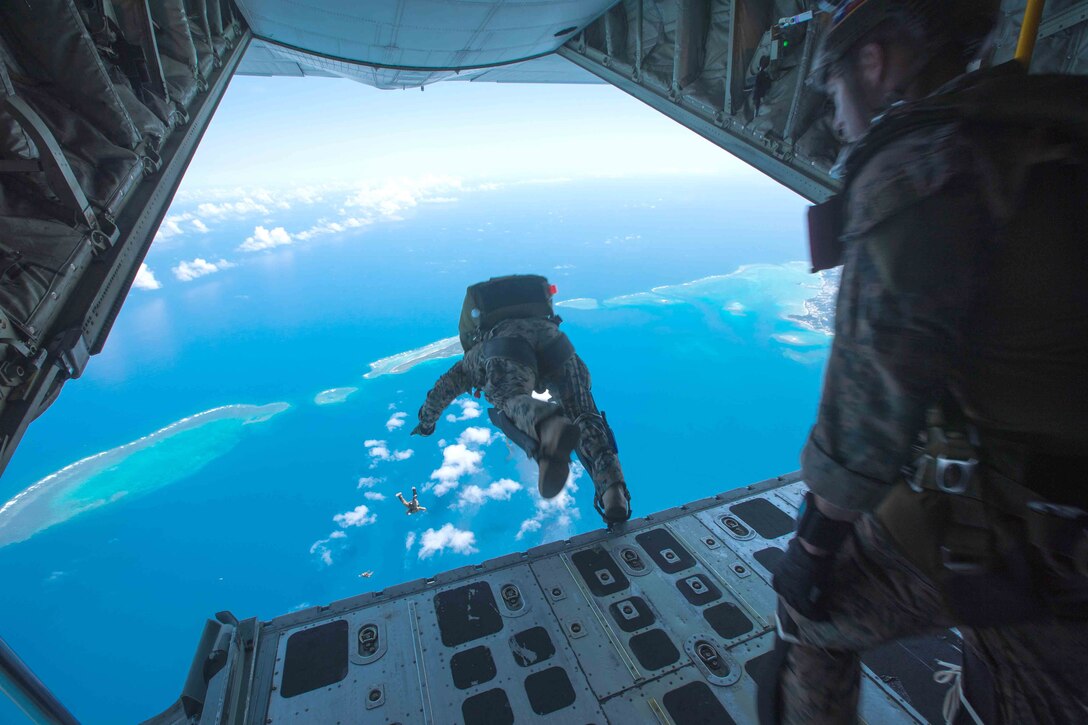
(290,160)
(289,131)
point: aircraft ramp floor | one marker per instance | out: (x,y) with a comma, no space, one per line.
(664,619)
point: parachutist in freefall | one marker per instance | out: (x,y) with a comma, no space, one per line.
(513,346)
(411,507)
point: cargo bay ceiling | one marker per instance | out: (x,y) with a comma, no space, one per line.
(103,102)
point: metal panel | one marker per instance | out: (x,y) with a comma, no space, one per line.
(558,645)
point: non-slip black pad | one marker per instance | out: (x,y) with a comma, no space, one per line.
(600,571)
(761,669)
(488,708)
(698,589)
(467,613)
(769,557)
(727,620)
(665,550)
(654,649)
(768,520)
(531,646)
(549,690)
(315,658)
(695,704)
(631,614)
(472,667)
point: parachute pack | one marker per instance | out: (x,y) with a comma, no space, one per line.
(503,298)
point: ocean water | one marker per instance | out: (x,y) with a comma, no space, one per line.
(154,493)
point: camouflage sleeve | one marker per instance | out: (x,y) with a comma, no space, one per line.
(900,329)
(453,382)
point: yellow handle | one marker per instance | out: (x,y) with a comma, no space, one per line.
(1029,31)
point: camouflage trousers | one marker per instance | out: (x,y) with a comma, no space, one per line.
(509,385)
(878,596)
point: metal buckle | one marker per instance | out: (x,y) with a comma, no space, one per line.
(921,465)
(953,475)
(783,634)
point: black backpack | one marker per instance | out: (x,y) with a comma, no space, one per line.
(503,298)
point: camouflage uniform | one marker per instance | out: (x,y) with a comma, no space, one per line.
(1037,667)
(934,298)
(508,385)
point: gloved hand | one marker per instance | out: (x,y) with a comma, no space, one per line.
(801,579)
(419,430)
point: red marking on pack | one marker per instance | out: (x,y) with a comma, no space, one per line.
(552,290)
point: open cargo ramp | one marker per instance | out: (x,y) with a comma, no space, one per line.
(665,619)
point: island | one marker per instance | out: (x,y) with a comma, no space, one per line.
(404,361)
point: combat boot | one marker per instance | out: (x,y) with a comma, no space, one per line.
(558,437)
(615,504)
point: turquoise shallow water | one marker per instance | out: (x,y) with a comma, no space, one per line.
(709,385)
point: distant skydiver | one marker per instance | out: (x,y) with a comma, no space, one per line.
(513,346)
(411,507)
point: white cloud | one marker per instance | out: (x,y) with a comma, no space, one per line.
(200,226)
(171,226)
(409,540)
(321,548)
(395,421)
(448,537)
(555,515)
(145,278)
(470,409)
(199,267)
(475,437)
(457,460)
(374,496)
(358,516)
(500,490)
(324,226)
(528,526)
(265,239)
(379,451)
(368,482)
(237,209)
(338,535)
(393,196)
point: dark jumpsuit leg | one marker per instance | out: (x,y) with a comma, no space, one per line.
(509,386)
(572,387)
(877,597)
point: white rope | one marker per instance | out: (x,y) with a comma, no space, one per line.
(952,675)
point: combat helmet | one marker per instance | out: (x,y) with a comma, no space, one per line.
(964,24)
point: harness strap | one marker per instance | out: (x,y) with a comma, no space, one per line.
(552,356)
(517,349)
(544,362)
(520,438)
